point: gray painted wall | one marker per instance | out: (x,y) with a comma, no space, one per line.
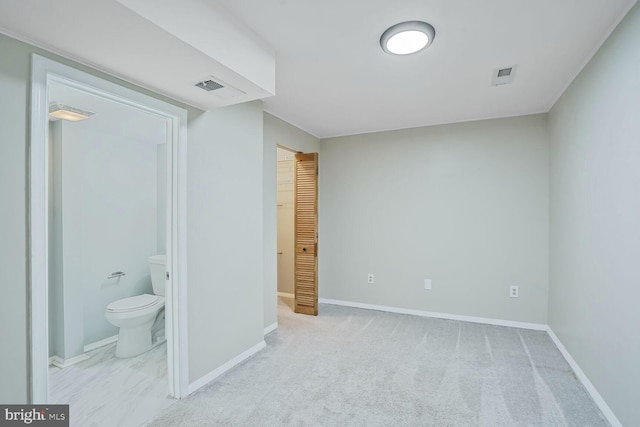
(277,132)
(225,227)
(595,220)
(14,113)
(213,338)
(464,205)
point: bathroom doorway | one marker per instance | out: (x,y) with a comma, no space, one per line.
(107,229)
(91,240)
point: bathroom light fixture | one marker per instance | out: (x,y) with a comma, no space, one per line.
(407,37)
(64,112)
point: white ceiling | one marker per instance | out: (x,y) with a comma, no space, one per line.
(333,79)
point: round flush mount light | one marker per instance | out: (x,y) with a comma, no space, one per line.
(408,37)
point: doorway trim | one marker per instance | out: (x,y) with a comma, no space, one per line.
(43,72)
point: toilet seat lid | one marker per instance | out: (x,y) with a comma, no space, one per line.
(133,303)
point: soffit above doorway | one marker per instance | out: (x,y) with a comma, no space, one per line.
(126,40)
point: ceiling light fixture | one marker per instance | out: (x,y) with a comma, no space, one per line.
(408,37)
(64,112)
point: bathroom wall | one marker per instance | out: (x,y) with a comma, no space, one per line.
(106,171)
(286,221)
(161,196)
(56,306)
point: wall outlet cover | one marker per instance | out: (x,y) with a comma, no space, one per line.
(427,284)
(513,291)
(370,278)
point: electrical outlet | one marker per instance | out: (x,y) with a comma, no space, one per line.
(370,278)
(427,284)
(513,291)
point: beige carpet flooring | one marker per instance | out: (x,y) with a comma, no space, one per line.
(354,367)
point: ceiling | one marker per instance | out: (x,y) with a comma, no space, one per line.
(332,77)
(164,46)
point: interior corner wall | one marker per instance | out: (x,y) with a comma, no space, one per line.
(595,220)
(213,338)
(277,132)
(465,205)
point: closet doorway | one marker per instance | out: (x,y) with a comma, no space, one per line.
(297,210)
(286,225)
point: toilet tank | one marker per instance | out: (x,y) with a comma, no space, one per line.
(157,268)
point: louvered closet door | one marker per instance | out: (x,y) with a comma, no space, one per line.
(306,233)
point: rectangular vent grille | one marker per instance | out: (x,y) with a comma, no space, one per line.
(209,85)
(504,75)
(504,72)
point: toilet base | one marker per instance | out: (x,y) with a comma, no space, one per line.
(134,340)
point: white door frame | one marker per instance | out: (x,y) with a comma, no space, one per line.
(44,71)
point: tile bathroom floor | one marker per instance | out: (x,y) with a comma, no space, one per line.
(105,391)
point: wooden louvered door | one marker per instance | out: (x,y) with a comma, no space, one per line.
(306,234)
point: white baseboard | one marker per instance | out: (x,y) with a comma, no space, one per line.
(286,295)
(272,327)
(64,363)
(206,379)
(608,413)
(101,343)
(487,321)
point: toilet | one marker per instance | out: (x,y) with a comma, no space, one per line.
(141,317)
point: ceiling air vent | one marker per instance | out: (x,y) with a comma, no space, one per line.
(503,75)
(219,87)
(209,85)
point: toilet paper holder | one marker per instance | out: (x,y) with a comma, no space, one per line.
(116,274)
